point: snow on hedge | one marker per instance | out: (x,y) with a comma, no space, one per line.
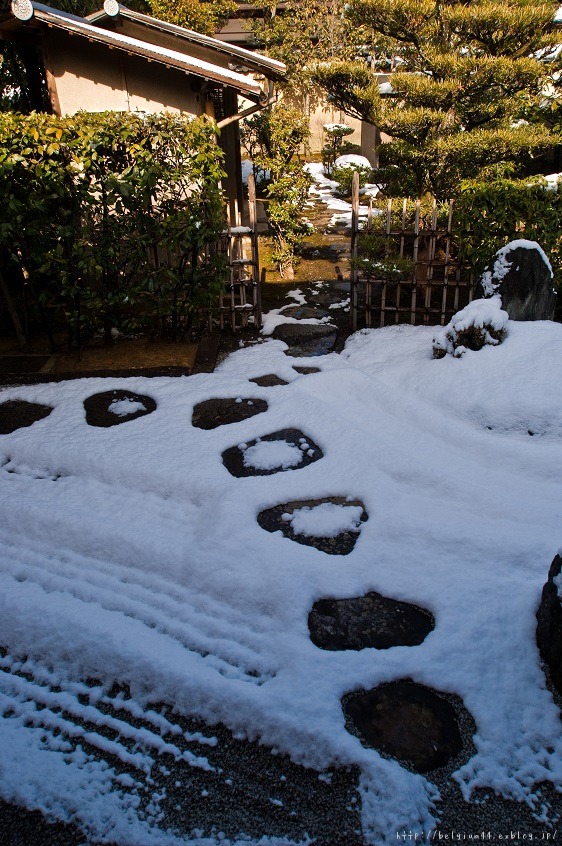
(131,553)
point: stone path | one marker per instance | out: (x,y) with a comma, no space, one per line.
(415,725)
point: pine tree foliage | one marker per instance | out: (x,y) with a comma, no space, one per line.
(467,73)
(303,31)
(206,16)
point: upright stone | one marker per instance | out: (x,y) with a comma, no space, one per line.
(549,623)
(522,275)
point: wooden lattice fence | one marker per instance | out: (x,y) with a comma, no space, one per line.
(439,282)
(240,304)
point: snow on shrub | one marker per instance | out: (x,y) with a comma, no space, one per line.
(481,322)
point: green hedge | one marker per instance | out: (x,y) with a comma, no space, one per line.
(112,218)
(489,213)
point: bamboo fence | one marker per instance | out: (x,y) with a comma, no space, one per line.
(440,282)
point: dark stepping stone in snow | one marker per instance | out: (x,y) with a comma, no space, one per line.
(368,621)
(306,370)
(306,339)
(287,449)
(17,414)
(269,380)
(406,721)
(300,312)
(110,408)
(549,624)
(274,520)
(218,412)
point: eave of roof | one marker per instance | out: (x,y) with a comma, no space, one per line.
(270,68)
(170,58)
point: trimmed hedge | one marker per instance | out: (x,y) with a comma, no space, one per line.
(113,219)
(493,213)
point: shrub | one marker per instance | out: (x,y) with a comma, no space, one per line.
(492,213)
(110,216)
(343,175)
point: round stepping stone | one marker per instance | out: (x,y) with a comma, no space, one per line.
(293,518)
(287,449)
(407,721)
(17,414)
(301,312)
(306,339)
(365,621)
(269,380)
(110,408)
(219,412)
(306,370)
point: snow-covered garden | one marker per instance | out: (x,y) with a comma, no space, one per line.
(131,554)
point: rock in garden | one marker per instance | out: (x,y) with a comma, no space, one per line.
(483,322)
(331,524)
(304,371)
(522,275)
(17,414)
(219,412)
(549,623)
(110,408)
(406,721)
(269,380)
(365,621)
(306,339)
(287,449)
(303,312)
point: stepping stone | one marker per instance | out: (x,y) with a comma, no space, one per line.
(549,624)
(306,339)
(365,621)
(300,312)
(269,380)
(17,414)
(303,511)
(110,408)
(306,370)
(407,721)
(219,412)
(287,449)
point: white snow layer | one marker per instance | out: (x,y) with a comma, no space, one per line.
(124,407)
(352,160)
(132,554)
(326,520)
(268,455)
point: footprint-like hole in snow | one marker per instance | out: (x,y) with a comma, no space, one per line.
(110,408)
(287,449)
(218,412)
(371,620)
(331,524)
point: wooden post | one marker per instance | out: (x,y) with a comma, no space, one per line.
(431,259)
(415,258)
(253,214)
(354,249)
(447,263)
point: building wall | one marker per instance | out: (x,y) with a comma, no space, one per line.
(91,77)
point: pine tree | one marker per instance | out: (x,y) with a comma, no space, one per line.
(467,75)
(300,32)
